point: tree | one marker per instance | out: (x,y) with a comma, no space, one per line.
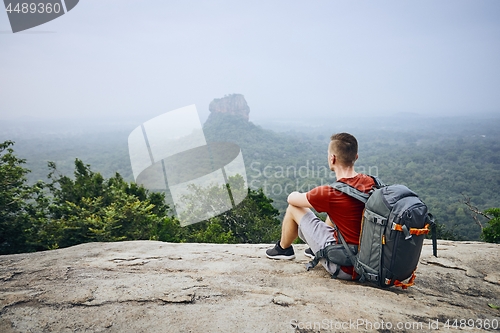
(491,232)
(253,220)
(16,201)
(444,232)
(90,208)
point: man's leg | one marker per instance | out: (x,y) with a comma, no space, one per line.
(289,232)
(313,231)
(318,235)
(290,225)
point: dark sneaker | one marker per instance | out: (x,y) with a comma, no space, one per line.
(309,253)
(278,253)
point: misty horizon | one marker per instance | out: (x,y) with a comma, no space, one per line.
(133,60)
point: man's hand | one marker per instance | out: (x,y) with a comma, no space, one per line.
(298,199)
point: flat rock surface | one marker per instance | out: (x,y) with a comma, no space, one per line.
(148,286)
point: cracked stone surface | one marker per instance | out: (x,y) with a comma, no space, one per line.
(148,286)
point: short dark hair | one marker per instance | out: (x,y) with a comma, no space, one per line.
(345,148)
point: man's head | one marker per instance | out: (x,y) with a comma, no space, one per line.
(344,147)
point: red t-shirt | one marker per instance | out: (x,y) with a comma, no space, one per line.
(345,211)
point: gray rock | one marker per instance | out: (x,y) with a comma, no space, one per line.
(233,104)
(148,286)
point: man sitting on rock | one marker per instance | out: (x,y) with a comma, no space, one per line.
(345,211)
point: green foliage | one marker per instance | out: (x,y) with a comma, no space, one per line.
(211,231)
(491,232)
(15,196)
(437,159)
(90,208)
(278,163)
(254,220)
(440,169)
(445,232)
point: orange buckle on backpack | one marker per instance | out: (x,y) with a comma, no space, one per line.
(413,231)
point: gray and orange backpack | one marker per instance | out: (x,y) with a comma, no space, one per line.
(394,224)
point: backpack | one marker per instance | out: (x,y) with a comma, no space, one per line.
(394,224)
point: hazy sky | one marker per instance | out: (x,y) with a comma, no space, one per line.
(138,59)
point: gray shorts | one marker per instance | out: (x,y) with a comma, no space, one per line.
(317,234)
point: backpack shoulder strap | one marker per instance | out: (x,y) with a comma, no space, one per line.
(354,192)
(378,182)
(350,255)
(357,194)
(350,191)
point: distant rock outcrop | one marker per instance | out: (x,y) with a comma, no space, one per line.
(234,104)
(149,286)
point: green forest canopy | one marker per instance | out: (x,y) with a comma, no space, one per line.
(440,159)
(90,208)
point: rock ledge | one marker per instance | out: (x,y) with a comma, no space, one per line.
(147,286)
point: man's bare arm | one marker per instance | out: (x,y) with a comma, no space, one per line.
(298,199)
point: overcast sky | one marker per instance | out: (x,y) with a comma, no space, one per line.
(315,59)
